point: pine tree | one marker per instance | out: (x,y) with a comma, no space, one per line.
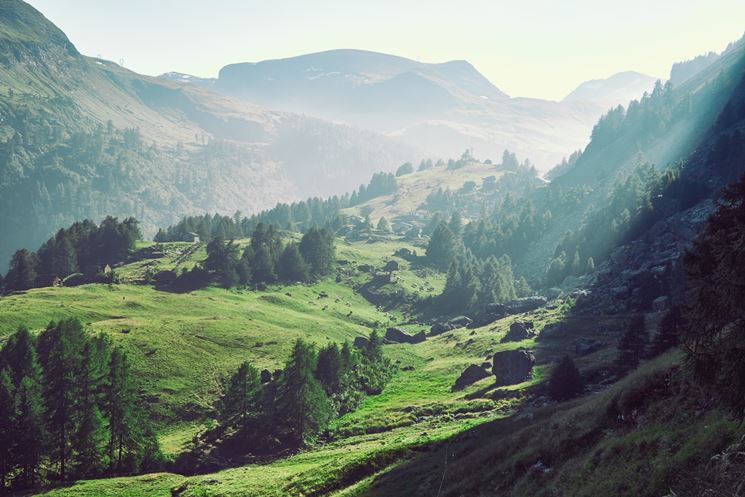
(31,435)
(304,407)
(632,345)
(384,225)
(565,382)
(120,409)
(329,368)
(590,265)
(317,248)
(8,429)
(241,398)
(22,272)
(90,435)
(292,267)
(373,351)
(441,250)
(262,266)
(60,348)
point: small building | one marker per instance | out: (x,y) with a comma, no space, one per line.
(194,237)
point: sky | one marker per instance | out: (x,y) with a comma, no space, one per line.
(527,48)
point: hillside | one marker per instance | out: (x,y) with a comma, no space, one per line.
(67,133)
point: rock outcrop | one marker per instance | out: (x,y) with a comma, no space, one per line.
(469,376)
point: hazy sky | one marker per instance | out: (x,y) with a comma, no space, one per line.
(534,48)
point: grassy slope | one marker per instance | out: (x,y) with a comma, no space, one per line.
(412,189)
(182,343)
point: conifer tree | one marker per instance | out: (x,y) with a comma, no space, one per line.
(384,225)
(120,399)
(60,348)
(565,382)
(303,405)
(242,396)
(668,332)
(31,435)
(329,368)
(292,267)
(22,272)
(262,266)
(441,250)
(90,435)
(632,345)
(7,428)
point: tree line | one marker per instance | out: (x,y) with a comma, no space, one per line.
(297,216)
(69,408)
(265,260)
(84,247)
(263,413)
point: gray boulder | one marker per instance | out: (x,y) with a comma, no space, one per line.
(439,329)
(519,330)
(469,376)
(661,303)
(513,366)
(553,330)
(266,376)
(460,321)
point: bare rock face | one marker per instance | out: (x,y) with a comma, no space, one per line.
(469,376)
(513,366)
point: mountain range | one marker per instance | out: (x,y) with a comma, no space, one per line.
(439,109)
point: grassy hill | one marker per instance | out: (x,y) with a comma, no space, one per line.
(182,344)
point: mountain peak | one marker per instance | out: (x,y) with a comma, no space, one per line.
(21,23)
(620,88)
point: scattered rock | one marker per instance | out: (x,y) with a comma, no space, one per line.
(519,330)
(407,368)
(439,329)
(460,321)
(553,293)
(361,342)
(469,376)
(486,365)
(513,366)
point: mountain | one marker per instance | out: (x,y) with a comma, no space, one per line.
(83,138)
(442,108)
(619,88)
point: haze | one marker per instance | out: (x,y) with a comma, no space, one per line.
(538,48)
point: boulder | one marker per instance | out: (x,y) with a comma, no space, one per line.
(525,304)
(519,330)
(266,376)
(460,322)
(661,303)
(361,342)
(553,330)
(397,335)
(513,366)
(585,346)
(469,376)
(439,329)
(391,266)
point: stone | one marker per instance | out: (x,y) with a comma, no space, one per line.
(361,342)
(391,266)
(661,303)
(525,304)
(519,330)
(266,376)
(513,366)
(439,329)
(553,293)
(469,376)
(460,321)
(553,330)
